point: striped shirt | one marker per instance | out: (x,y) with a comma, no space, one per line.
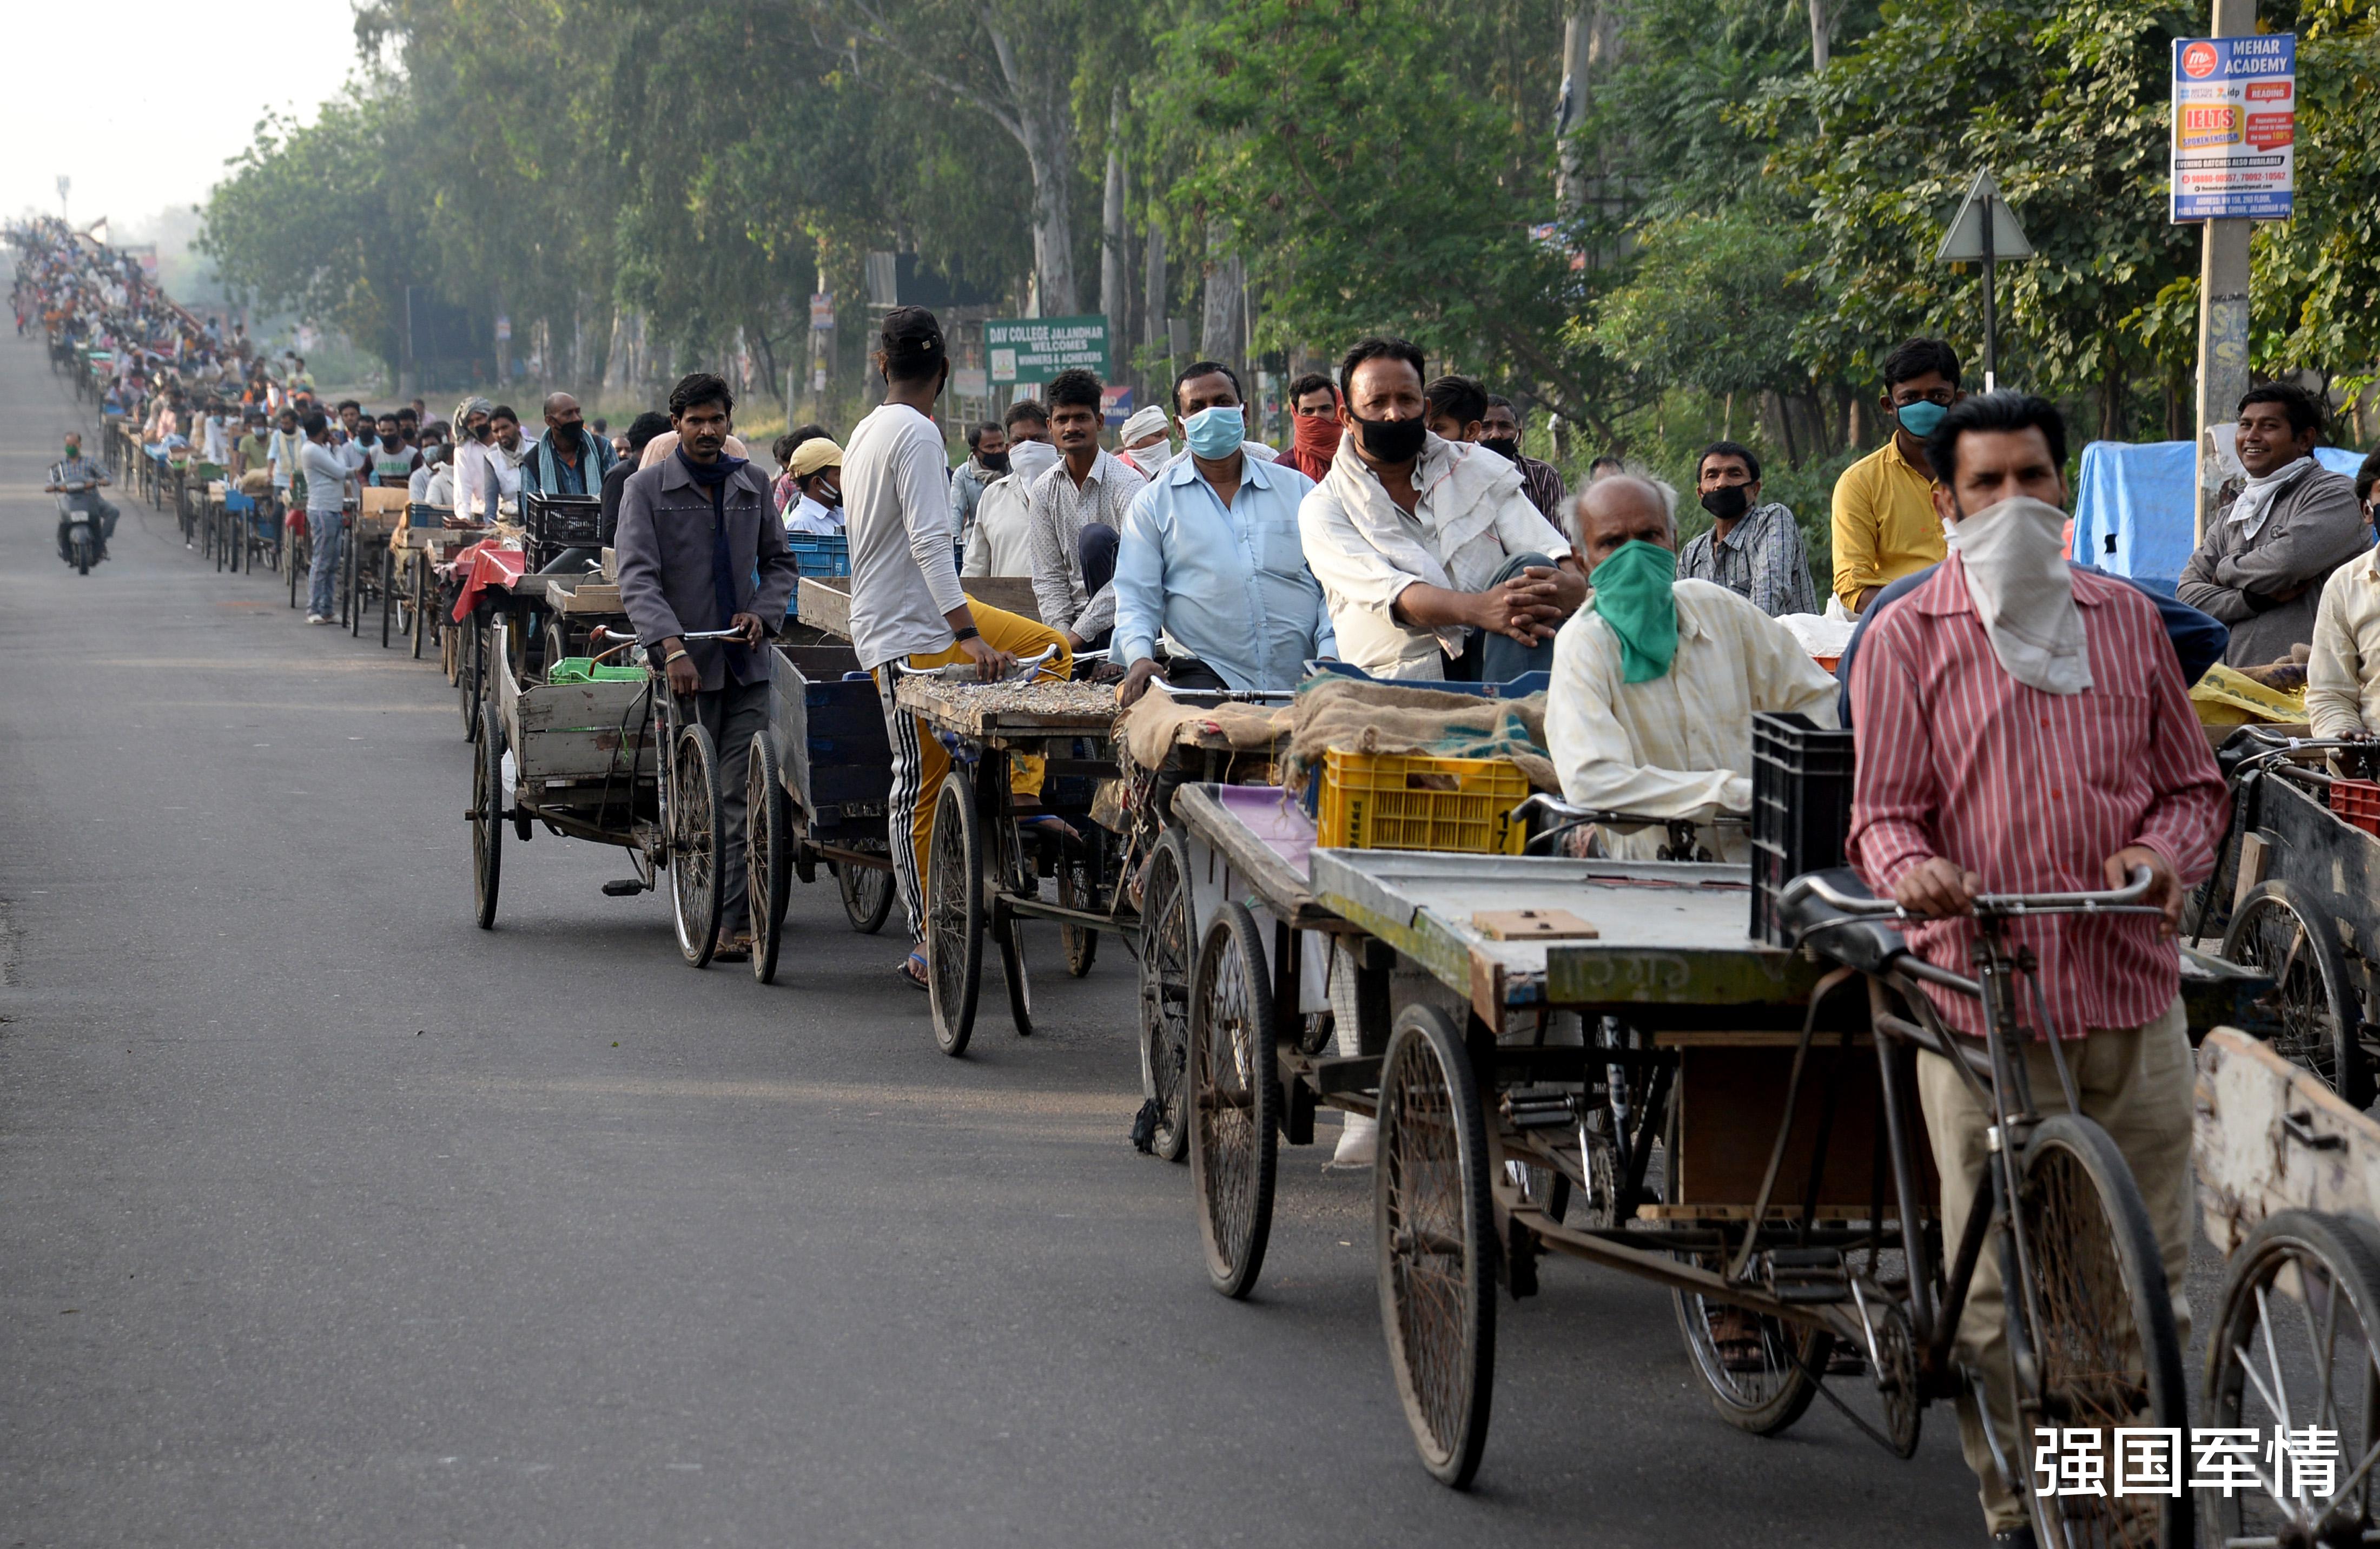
(2033,791)
(1761,561)
(1060,512)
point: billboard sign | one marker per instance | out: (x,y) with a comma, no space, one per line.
(2234,127)
(1028,351)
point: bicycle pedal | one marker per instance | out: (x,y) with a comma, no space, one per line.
(1805,1276)
(625,887)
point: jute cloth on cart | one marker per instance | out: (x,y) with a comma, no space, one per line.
(1361,717)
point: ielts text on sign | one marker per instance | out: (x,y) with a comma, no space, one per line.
(2234,127)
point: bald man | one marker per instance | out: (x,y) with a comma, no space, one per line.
(570,460)
(1657,679)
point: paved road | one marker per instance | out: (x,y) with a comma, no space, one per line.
(326,1219)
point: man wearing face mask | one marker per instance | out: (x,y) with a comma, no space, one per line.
(2023,727)
(2343,676)
(1753,550)
(816,506)
(1657,679)
(1500,431)
(570,460)
(1211,556)
(2261,564)
(1002,543)
(473,474)
(1884,520)
(1313,425)
(1435,563)
(987,461)
(1145,444)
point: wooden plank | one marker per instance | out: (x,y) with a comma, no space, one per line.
(584,753)
(592,597)
(826,606)
(1008,593)
(1532,924)
(2270,1136)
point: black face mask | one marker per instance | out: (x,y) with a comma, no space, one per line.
(1394,440)
(1728,502)
(1508,446)
(994,462)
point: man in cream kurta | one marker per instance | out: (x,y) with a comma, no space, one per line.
(1472,518)
(1679,745)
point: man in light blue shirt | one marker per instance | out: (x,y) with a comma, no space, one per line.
(1210,554)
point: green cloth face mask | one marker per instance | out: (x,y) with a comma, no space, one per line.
(1632,593)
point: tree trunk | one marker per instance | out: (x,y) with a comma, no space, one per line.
(1570,110)
(2111,397)
(1155,286)
(1049,153)
(1223,325)
(1822,34)
(1113,284)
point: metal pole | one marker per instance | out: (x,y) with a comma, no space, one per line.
(1991,312)
(2222,303)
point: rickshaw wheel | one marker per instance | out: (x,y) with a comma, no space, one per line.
(1896,1379)
(557,642)
(768,855)
(1166,948)
(867,896)
(1078,880)
(696,853)
(2101,1324)
(488,824)
(1010,933)
(2318,1360)
(1757,1369)
(954,915)
(1234,1089)
(2297,942)
(1437,1241)
(473,678)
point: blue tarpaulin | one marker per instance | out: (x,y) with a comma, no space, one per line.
(2134,514)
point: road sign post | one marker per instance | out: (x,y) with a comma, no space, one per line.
(1985,231)
(2234,121)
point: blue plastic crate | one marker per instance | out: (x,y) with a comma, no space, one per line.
(820,556)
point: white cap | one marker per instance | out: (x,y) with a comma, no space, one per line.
(1144,423)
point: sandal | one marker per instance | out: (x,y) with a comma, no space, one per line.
(912,971)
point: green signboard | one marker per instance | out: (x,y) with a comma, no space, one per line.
(1028,351)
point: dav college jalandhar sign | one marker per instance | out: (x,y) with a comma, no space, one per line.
(1028,351)
(2235,115)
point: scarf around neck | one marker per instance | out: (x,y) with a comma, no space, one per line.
(1634,594)
(2013,555)
(2256,502)
(1460,490)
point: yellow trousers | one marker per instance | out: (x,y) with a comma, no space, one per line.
(919,760)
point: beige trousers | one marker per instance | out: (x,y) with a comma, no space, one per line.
(2136,1083)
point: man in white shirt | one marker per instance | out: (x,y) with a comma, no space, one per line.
(1002,543)
(1079,510)
(1434,561)
(816,506)
(472,475)
(906,602)
(327,478)
(1657,679)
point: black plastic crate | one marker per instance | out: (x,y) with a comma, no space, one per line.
(555,522)
(1801,809)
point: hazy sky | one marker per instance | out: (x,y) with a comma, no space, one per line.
(137,143)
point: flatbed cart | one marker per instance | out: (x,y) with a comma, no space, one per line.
(2297,899)
(610,762)
(816,789)
(982,878)
(2289,1182)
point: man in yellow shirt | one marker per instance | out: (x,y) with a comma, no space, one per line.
(1885,525)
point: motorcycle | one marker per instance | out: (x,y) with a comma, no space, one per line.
(81,543)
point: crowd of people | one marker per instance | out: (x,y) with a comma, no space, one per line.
(2022,721)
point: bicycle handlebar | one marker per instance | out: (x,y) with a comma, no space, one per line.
(623,638)
(1554,806)
(2121,900)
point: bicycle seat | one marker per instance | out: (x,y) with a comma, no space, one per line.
(1869,945)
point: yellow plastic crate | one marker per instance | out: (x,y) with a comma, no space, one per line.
(1405,801)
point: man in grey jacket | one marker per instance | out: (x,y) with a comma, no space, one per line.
(2261,561)
(699,549)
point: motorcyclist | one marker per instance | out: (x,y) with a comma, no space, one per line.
(80,480)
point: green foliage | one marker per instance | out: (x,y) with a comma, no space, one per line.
(1713,304)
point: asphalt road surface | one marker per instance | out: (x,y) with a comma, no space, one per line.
(326,1219)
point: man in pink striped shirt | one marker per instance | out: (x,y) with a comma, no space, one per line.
(2023,727)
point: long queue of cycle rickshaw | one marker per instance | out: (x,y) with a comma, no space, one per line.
(1697,1073)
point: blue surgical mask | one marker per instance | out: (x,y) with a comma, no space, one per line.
(1920,419)
(1215,434)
